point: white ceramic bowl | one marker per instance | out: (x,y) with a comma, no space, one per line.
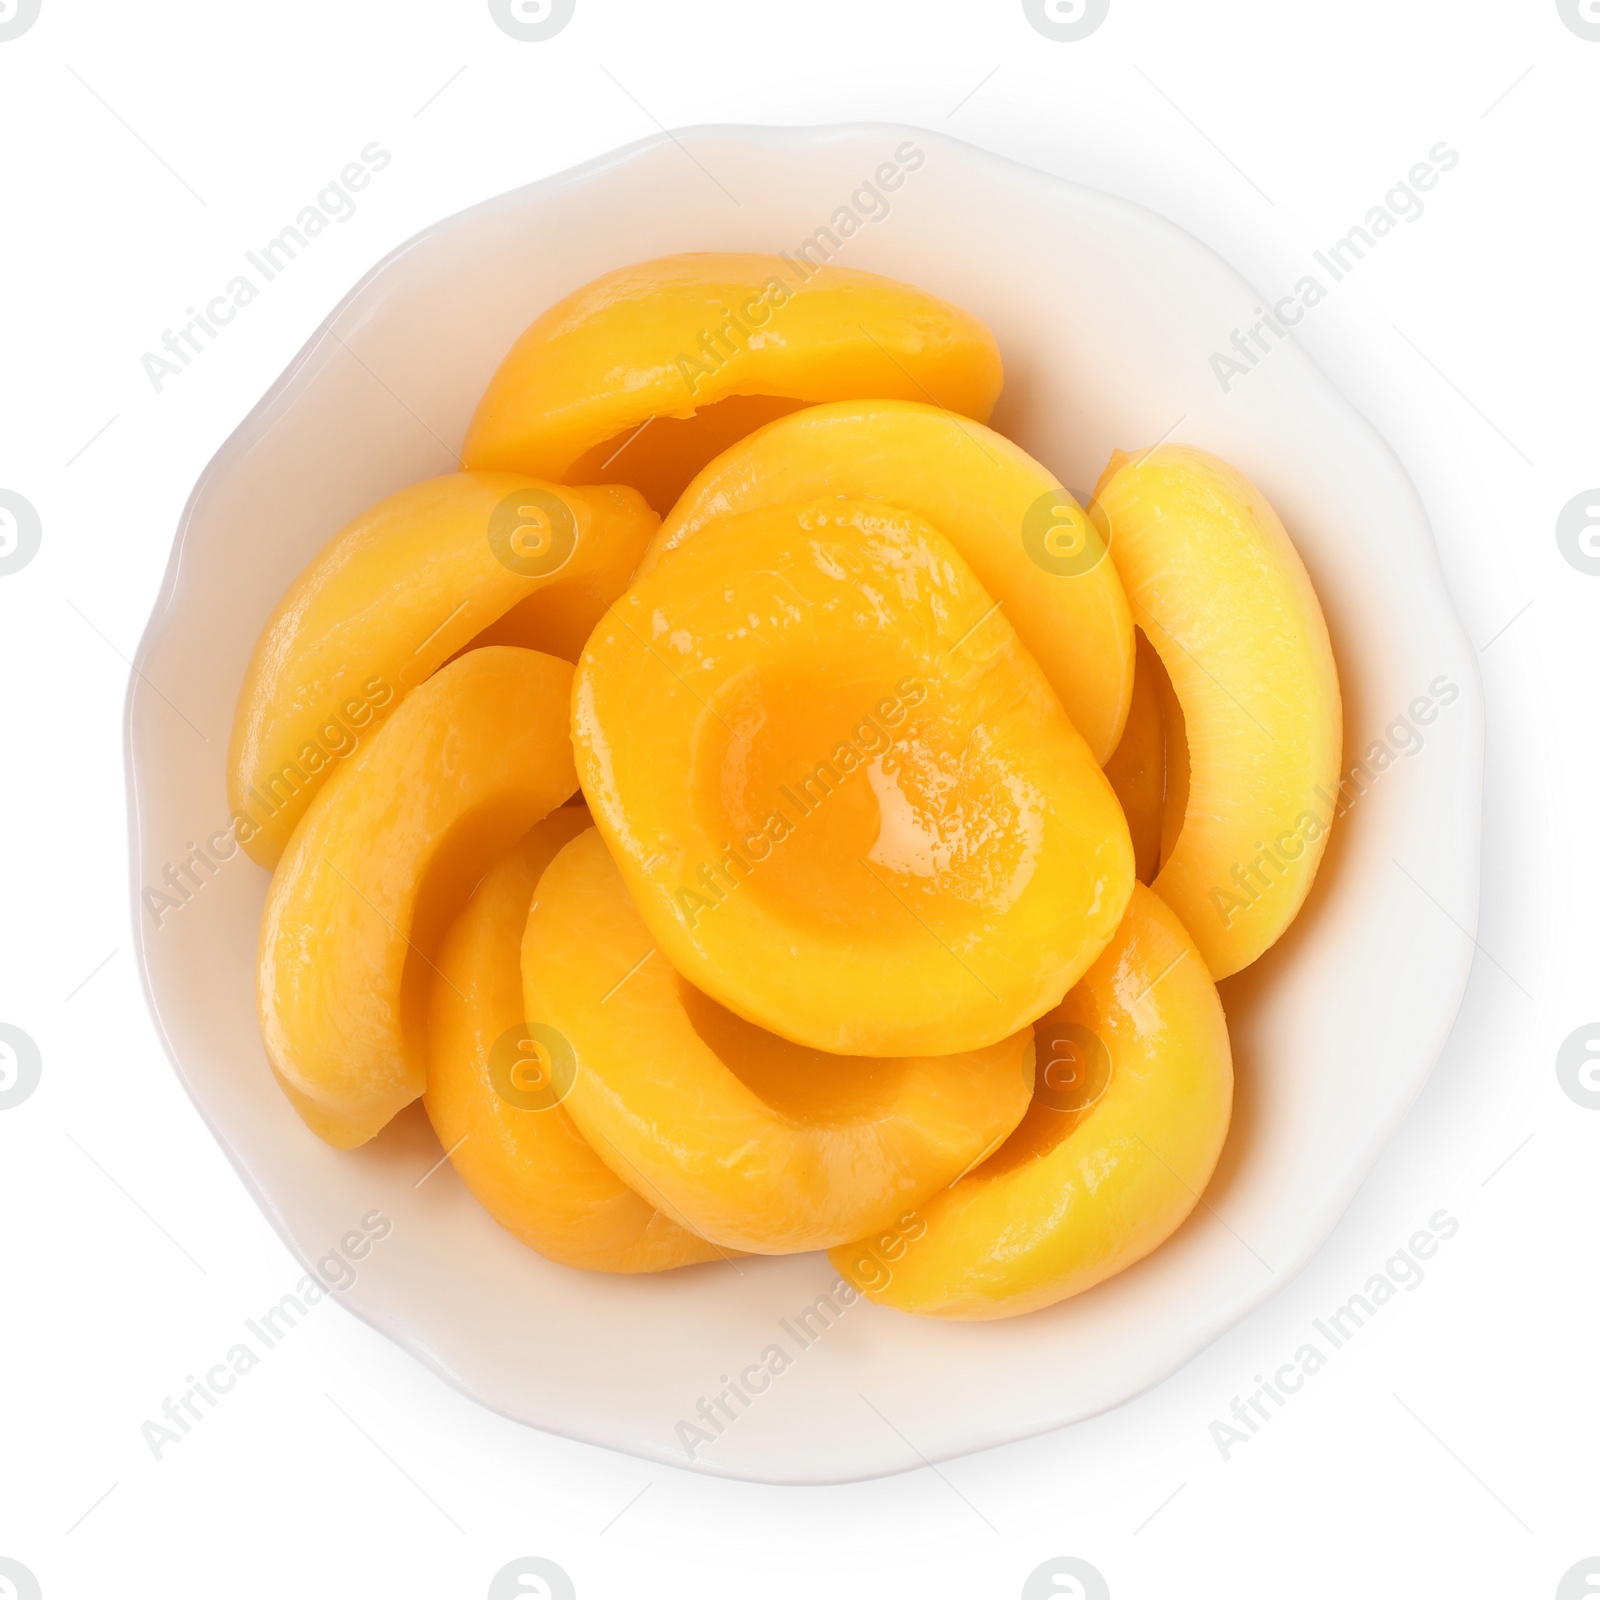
(1107,317)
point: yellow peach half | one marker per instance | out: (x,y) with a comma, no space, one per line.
(745,1138)
(1223,596)
(385,855)
(496,1105)
(391,597)
(1024,536)
(846,799)
(1133,1091)
(645,374)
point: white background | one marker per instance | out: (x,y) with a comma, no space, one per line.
(1449,1448)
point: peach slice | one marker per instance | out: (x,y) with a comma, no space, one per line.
(1137,770)
(1132,1097)
(746,1139)
(846,799)
(496,1106)
(384,856)
(645,374)
(1175,742)
(1024,536)
(1223,596)
(391,597)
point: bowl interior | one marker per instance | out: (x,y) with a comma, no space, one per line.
(1107,318)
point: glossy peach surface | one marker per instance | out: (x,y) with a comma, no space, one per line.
(746,1138)
(847,802)
(383,858)
(494,1092)
(1137,770)
(391,597)
(1026,539)
(1217,585)
(1134,1086)
(684,335)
